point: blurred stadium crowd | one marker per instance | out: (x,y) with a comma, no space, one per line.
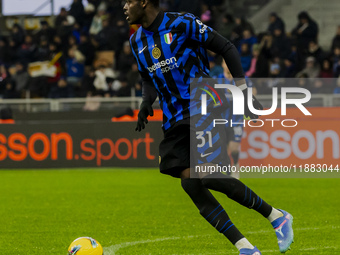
(88,48)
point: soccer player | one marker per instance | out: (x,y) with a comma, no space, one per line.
(170,49)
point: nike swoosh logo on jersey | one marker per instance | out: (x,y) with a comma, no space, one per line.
(141,51)
(205,155)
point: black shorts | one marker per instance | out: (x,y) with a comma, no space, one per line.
(178,152)
(230,134)
(174,150)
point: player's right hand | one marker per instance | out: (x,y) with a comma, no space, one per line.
(144,112)
(257,105)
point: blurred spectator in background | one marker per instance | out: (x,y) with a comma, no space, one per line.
(336,61)
(26,52)
(71,42)
(326,69)
(124,88)
(318,86)
(237,33)
(315,51)
(96,24)
(5,56)
(62,89)
(289,70)
(74,68)
(256,53)
(133,79)
(45,32)
(103,81)
(326,74)
(20,79)
(262,62)
(122,33)
(61,17)
(107,36)
(337,87)
(298,58)
(87,89)
(12,51)
(17,35)
(303,81)
(87,49)
(245,57)
(4,77)
(275,72)
(89,12)
(312,68)
(248,38)
(58,42)
(6,115)
(77,11)
(305,31)
(275,22)
(275,67)
(206,16)
(125,60)
(281,45)
(336,39)
(54,87)
(241,25)
(76,32)
(9,90)
(215,62)
(227,26)
(65,29)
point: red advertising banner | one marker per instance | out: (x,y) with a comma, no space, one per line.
(85,144)
(314,140)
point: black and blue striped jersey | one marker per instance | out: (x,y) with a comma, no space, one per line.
(169,53)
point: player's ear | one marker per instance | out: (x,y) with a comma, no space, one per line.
(144,3)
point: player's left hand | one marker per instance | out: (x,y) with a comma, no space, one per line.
(144,112)
(257,105)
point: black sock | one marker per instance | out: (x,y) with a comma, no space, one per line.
(211,209)
(235,156)
(238,192)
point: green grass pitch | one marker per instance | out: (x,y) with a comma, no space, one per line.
(133,211)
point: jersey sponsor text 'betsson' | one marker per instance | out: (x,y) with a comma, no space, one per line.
(169,63)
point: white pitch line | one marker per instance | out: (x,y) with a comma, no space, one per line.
(111,250)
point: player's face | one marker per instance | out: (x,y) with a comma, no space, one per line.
(134,11)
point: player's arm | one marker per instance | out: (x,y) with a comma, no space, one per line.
(149,95)
(213,41)
(228,51)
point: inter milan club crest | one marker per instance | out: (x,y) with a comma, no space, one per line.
(168,38)
(156,53)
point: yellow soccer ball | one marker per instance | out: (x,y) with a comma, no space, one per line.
(85,246)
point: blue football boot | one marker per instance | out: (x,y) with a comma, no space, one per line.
(284,231)
(254,251)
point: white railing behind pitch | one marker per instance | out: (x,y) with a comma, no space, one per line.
(69,104)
